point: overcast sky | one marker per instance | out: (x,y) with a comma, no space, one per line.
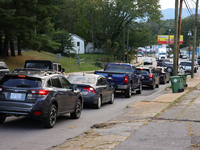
(171,4)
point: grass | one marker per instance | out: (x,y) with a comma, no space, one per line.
(68,63)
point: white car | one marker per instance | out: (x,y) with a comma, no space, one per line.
(139,55)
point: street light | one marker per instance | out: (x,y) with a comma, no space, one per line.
(189,34)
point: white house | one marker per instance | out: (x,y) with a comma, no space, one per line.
(79,44)
(89,49)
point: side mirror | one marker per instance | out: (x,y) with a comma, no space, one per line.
(63,69)
(74,88)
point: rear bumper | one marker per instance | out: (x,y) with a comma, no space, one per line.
(90,98)
(120,87)
(147,82)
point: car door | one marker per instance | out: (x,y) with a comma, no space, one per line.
(102,87)
(60,93)
(69,96)
(108,89)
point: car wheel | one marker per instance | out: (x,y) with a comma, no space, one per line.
(169,70)
(112,98)
(157,85)
(140,89)
(77,113)
(128,92)
(50,121)
(98,105)
(2,118)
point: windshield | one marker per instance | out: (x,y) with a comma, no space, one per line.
(82,79)
(118,68)
(14,81)
(162,53)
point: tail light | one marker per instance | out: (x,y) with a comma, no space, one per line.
(39,92)
(157,64)
(1,89)
(125,79)
(89,89)
(150,76)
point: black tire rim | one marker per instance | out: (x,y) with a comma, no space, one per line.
(53,116)
(78,109)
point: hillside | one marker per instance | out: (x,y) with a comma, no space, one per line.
(66,62)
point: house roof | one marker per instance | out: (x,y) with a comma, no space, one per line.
(77,36)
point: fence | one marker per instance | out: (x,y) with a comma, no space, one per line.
(79,61)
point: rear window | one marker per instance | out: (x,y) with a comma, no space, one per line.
(14,81)
(82,79)
(118,68)
(139,71)
(40,65)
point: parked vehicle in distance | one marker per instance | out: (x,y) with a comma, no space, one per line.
(164,75)
(167,65)
(171,56)
(95,89)
(149,77)
(161,53)
(139,55)
(195,62)
(148,61)
(39,94)
(3,69)
(44,64)
(187,67)
(184,57)
(124,77)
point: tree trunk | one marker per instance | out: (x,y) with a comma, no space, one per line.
(12,49)
(1,45)
(5,49)
(19,46)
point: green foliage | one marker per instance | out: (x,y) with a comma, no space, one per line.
(65,42)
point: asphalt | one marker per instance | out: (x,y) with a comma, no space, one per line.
(146,125)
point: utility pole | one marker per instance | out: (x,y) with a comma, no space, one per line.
(127,45)
(123,41)
(175,38)
(179,29)
(194,45)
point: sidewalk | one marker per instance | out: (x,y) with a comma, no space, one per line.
(110,134)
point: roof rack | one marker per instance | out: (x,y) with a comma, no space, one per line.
(33,71)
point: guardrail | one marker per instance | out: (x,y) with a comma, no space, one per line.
(79,61)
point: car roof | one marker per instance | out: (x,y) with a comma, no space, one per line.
(82,74)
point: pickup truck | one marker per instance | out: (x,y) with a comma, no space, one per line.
(124,76)
(44,64)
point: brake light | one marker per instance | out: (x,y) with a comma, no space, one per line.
(141,68)
(150,76)
(125,79)
(89,89)
(157,64)
(118,63)
(39,92)
(21,76)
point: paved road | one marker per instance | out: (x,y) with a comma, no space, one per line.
(25,133)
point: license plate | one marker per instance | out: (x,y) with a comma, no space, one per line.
(16,96)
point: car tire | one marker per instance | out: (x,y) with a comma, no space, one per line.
(112,98)
(2,118)
(140,89)
(170,70)
(157,85)
(77,113)
(153,86)
(50,121)
(128,92)
(99,101)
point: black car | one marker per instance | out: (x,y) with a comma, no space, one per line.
(95,89)
(39,94)
(167,65)
(149,77)
(164,76)
(3,69)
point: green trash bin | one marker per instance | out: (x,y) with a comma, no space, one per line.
(184,76)
(177,84)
